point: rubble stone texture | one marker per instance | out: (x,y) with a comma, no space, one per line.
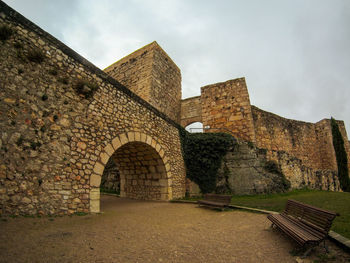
(151,74)
(303,150)
(58,131)
(62,119)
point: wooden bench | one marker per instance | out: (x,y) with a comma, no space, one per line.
(215,201)
(306,224)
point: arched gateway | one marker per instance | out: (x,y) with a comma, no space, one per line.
(143,166)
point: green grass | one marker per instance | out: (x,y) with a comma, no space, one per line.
(109,191)
(334,201)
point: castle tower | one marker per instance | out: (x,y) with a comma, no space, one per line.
(151,74)
(226,107)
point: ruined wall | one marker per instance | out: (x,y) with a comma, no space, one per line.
(191,111)
(226,106)
(301,176)
(61,119)
(310,142)
(246,170)
(300,139)
(151,74)
(325,145)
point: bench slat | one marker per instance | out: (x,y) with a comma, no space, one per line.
(297,232)
(215,200)
(304,223)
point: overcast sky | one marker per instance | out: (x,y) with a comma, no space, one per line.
(294,54)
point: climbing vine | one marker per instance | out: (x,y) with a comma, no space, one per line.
(203,154)
(341,156)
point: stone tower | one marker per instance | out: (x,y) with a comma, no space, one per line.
(151,74)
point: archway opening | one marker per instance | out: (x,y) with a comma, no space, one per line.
(110,180)
(195,127)
(142,172)
(143,168)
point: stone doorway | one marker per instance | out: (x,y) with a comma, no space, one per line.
(142,172)
(142,166)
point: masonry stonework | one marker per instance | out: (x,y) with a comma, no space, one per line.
(151,74)
(191,111)
(62,119)
(226,106)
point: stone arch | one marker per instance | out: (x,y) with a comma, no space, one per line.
(189,121)
(152,152)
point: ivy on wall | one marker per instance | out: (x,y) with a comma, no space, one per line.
(341,156)
(203,154)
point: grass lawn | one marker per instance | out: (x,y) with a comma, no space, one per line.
(334,201)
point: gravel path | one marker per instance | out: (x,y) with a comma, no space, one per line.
(145,231)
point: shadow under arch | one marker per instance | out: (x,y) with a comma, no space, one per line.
(143,165)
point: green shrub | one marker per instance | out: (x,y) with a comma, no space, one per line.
(18,45)
(53,72)
(109,191)
(85,88)
(64,80)
(20,141)
(36,56)
(5,32)
(203,154)
(341,156)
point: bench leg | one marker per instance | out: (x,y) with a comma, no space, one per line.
(306,253)
(325,246)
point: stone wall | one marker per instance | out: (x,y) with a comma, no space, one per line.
(151,74)
(247,170)
(61,120)
(295,137)
(191,111)
(226,106)
(142,172)
(301,176)
(310,142)
(243,172)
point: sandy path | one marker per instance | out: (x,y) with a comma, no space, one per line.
(140,231)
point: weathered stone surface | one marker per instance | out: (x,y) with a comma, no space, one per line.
(98,168)
(161,84)
(95,180)
(58,116)
(81,145)
(53,138)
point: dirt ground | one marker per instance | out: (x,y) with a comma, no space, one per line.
(145,231)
